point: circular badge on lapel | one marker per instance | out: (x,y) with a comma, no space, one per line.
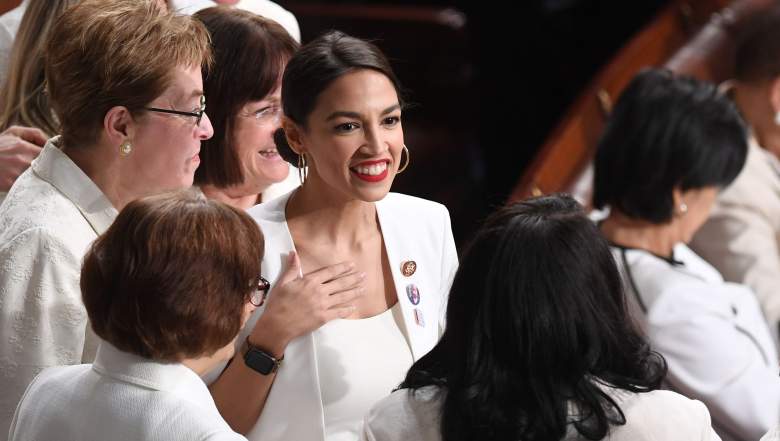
(408,267)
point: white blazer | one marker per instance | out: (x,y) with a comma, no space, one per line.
(713,336)
(121,396)
(51,216)
(741,238)
(413,229)
(653,416)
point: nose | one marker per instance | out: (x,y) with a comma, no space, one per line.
(374,142)
(205,129)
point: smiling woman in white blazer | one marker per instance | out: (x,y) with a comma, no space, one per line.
(360,276)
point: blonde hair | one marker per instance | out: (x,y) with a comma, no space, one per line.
(101,54)
(24,99)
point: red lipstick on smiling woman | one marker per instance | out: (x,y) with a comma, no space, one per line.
(369,170)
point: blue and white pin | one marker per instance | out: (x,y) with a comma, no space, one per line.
(413,294)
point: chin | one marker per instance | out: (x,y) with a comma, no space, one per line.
(372,195)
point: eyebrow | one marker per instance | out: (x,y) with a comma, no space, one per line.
(341,113)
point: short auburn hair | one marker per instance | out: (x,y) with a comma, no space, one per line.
(170,278)
(106,53)
(250,53)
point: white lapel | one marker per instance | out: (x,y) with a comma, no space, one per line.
(401,245)
(296,389)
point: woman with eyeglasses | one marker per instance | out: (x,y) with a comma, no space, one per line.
(240,164)
(167,293)
(124,80)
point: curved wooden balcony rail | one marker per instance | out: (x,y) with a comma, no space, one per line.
(694,37)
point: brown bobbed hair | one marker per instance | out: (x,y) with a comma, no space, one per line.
(106,53)
(170,278)
(250,53)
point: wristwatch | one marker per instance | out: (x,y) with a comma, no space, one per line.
(259,360)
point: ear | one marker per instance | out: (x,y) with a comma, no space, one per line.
(677,197)
(774,94)
(294,135)
(118,125)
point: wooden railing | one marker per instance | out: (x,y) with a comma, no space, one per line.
(690,37)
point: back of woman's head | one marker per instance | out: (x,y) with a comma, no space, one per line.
(318,64)
(666,132)
(170,278)
(536,319)
(24,99)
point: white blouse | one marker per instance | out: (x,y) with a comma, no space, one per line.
(121,396)
(653,416)
(713,335)
(359,362)
(52,214)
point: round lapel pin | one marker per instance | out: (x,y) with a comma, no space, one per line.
(413,293)
(408,267)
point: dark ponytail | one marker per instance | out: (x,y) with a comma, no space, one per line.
(313,68)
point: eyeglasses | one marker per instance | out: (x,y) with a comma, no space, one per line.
(260,292)
(197,115)
(267,115)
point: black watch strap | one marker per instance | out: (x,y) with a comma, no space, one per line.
(259,360)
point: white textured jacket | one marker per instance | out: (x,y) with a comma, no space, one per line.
(50,217)
(119,397)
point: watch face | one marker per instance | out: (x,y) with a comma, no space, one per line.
(259,361)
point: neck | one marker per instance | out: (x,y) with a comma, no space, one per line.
(231,196)
(337,218)
(623,230)
(103,166)
(202,365)
(754,105)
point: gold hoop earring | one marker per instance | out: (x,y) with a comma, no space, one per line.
(125,148)
(303,172)
(406,164)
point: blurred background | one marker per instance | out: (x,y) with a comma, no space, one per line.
(490,85)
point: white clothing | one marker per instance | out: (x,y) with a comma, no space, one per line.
(51,216)
(713,336)
(9,24)
(413,230)
(265,8)
(121,396)
(652,416)
(357,361)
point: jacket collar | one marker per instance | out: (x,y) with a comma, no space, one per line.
(133,369)
(398,248)
(56,168)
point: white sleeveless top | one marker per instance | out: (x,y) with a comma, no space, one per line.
(359,362)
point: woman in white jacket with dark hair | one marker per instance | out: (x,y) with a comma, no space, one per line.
(360,275)
(671,144)
(539,346)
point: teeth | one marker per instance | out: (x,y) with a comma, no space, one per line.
(371,170)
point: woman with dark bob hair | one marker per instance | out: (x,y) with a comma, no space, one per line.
(167,293)
(539,346)
(360,275)
(240,163)
(672,143)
